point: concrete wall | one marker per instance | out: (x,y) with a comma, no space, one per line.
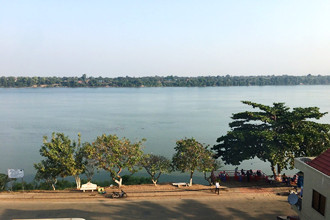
(313,180)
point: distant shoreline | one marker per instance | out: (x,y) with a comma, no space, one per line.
(160,81)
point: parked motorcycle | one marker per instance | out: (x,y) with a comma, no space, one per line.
(121,194)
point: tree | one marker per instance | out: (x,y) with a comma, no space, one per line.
(274,134)
(209,165)
(47,171)
(63,158)
(85,158)
(3,181)
(113,154)
(190,156)
(155,165)
(82,163)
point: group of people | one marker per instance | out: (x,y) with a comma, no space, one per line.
(248,174)
(296,179)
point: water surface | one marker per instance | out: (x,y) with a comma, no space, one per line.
(161,115)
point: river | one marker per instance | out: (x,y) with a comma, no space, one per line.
(161,115)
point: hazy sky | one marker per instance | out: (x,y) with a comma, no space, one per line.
(164,37)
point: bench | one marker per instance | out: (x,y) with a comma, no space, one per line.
(180,184)
(88,186)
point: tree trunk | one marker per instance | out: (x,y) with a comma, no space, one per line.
(208,179)
(53,184)
(278,169)
(155,182)
(119,182)
(191,175)
(78,181)
(273,169)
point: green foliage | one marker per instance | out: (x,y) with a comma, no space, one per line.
(85,158)
(60,185)
(155,165)
(65,184)
(63,158)
(274,134)
(3,181)
(113,154)
(167,81)
(48,172)
(136,180)
(191,155)
(27,186)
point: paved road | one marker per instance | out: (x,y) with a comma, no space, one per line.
(251,206)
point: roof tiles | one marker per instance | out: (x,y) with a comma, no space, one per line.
(322,162)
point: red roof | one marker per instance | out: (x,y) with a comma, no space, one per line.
(322,162)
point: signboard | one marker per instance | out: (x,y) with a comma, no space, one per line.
(15,173)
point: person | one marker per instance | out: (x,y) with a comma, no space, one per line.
(248,174)
(217,188)
(284,177)
(258,173)
(300,182)
(301,191)
(236,170)
(240,178)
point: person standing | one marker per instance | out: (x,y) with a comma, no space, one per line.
(217,188)
(248,174)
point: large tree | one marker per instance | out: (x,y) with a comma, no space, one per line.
(155,165)
(274,134)
(191,155)
(62,158)
(113,154)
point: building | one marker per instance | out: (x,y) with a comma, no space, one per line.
(315,202)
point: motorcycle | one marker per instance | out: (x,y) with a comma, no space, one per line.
(121,194)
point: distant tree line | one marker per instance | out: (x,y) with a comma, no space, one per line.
(162,81)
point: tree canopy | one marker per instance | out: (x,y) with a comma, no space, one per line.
(155,165)
(113,154)
(62,158)
(274,134)
(191,155)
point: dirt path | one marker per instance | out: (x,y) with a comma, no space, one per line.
(148,202)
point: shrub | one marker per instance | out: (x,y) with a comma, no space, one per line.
(3,181)
(135,180)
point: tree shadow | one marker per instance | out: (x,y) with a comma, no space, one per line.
(51,213)
(239,214)
(136,209)
(185,209)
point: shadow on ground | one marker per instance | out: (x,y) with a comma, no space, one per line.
(161,209)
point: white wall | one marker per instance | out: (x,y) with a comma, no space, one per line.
(313,180)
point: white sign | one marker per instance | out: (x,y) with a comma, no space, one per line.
(15,173)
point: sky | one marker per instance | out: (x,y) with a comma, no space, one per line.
(164,37)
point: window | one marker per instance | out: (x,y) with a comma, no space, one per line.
(318,202)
